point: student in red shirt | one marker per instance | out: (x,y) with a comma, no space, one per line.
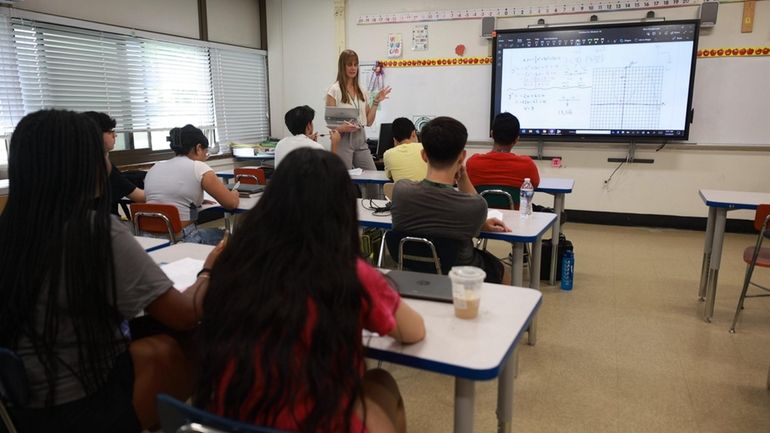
(501,167)
(288,300)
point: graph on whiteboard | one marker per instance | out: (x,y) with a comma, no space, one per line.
(628,86)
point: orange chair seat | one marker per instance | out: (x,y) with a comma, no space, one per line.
(763,259)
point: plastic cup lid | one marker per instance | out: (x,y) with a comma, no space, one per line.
(467,273)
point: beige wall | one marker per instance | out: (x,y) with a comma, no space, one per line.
(234,22)
(229,21)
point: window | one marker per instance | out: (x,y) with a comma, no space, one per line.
(240,95)
(148,85)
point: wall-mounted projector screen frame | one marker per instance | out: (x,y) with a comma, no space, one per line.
(613,82)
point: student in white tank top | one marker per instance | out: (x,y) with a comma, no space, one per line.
(181,181)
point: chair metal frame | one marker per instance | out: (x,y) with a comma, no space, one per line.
(238,178)
(761,222)
(137,214)
(178,417)
(435,259)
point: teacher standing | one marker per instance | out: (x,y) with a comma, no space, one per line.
(346,92)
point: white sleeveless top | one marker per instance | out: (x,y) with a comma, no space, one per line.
(336,93)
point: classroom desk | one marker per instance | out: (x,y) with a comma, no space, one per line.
(469,350)
(4,184)
(558,188)
(367,176)
(152,244)
(530,230)
(719,202)
(181,250)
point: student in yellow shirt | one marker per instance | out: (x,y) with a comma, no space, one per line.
(405,161)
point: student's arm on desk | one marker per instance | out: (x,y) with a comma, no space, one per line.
(410,327)
(494,225)
(212,185)
(182,310)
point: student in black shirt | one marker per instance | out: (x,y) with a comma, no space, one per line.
(119,186)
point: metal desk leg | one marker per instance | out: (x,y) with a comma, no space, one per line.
(534,282)
(517,265)
(229,222)
(558,207)
(716,259)
(465,394)
(707,253)
(505,395)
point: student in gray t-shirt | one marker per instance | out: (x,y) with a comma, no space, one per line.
(434,208)
(70,276)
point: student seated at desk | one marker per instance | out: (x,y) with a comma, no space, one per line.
(433,208)
(299,120)
(500,166)
(119,186)
(404,160)
(70,275)
(284,314)
(182,179)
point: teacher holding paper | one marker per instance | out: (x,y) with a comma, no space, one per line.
(346,92)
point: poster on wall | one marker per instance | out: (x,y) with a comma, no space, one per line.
(395,45)
(420,38)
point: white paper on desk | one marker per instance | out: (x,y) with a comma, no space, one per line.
(183,272)
(494,213)
(356,171)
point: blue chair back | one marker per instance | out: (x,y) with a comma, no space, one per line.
(445,249)
(178,417)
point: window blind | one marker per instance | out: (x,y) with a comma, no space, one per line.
(143,84)
(240,95)
(11,103)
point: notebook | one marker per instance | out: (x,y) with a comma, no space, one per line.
(417,285)
(247,189)
(336,116)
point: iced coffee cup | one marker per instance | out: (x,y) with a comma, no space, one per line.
(466,290)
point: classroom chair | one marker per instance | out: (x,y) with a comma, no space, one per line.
(250,175)
(156,218)
(178,417)
(14,389)
(755,256)
(499,196)
(502,197)
(422,254)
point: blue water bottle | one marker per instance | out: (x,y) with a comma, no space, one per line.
(567,269)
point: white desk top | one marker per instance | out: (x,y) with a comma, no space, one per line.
(553,185)
(152,244)
(473,349)
(179,251)
(733,199)
(522,230)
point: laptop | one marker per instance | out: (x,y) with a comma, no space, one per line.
(385,141)
(418,285)
(336,116)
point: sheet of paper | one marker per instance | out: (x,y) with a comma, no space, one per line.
(182,272)
(494,213)
(355,171)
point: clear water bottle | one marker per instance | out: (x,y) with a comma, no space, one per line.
(526,192)
(567,269)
